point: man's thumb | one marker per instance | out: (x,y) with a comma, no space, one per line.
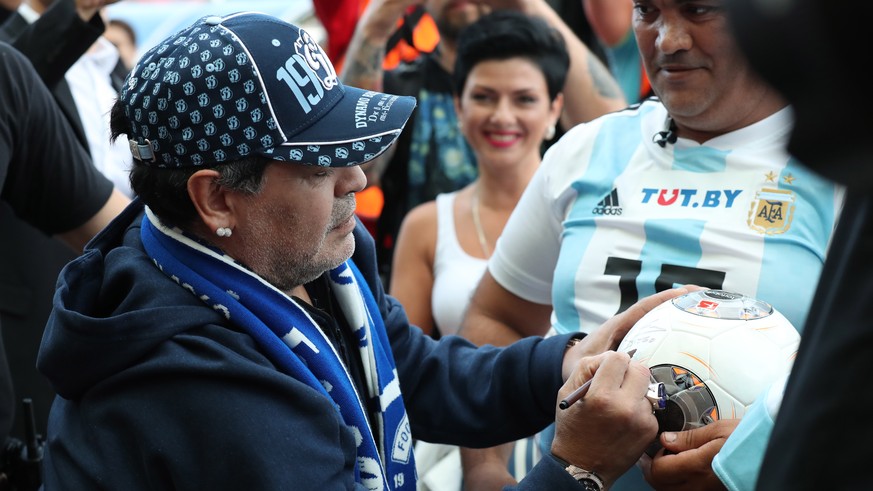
(680,441)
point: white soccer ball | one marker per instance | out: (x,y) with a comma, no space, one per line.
(715,352)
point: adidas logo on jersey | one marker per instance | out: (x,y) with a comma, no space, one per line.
(608,205)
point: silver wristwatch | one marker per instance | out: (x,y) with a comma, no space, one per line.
(589,480)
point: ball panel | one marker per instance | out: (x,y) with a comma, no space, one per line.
(729,406)
(774,329)
(690,350)
(751,362)
(649,331)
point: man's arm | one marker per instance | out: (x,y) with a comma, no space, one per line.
(517,388)
(363,62)
(50,181)
(60,36)
(79,236)
(366,52)
(499,317)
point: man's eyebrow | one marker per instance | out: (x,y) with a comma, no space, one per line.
(706,2)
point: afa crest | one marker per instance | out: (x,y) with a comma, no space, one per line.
(771,211)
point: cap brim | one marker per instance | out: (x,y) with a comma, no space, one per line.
(361,126)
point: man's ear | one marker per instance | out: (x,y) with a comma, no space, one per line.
(212,201)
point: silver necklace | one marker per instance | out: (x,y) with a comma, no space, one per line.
(480,233)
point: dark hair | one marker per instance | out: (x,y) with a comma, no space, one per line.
(126,28)
(165,189)
(505,34)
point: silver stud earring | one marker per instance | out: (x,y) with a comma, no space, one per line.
(223,232)
(550,132)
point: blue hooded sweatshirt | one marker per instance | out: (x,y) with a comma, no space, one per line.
(158,391)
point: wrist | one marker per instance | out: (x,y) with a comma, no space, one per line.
(86,14)
(569,362)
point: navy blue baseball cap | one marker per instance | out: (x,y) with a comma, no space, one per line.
(250,84)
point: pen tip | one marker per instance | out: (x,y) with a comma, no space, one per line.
(632,352)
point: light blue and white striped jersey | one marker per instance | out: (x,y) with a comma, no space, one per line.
(611,217)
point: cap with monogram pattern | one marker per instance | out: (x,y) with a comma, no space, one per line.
(250,84)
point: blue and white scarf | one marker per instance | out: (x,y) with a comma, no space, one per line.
(294,342)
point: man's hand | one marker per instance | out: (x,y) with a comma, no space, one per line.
(685,462)
(608,336)
(381,16)
(608,430)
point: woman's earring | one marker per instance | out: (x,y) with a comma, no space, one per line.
(223,232)
(550,132)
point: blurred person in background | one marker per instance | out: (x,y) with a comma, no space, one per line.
(122,35)
(52,42)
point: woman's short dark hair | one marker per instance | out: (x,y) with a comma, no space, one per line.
(505,34)
(165,189)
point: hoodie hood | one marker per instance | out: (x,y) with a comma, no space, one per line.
(113,306)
